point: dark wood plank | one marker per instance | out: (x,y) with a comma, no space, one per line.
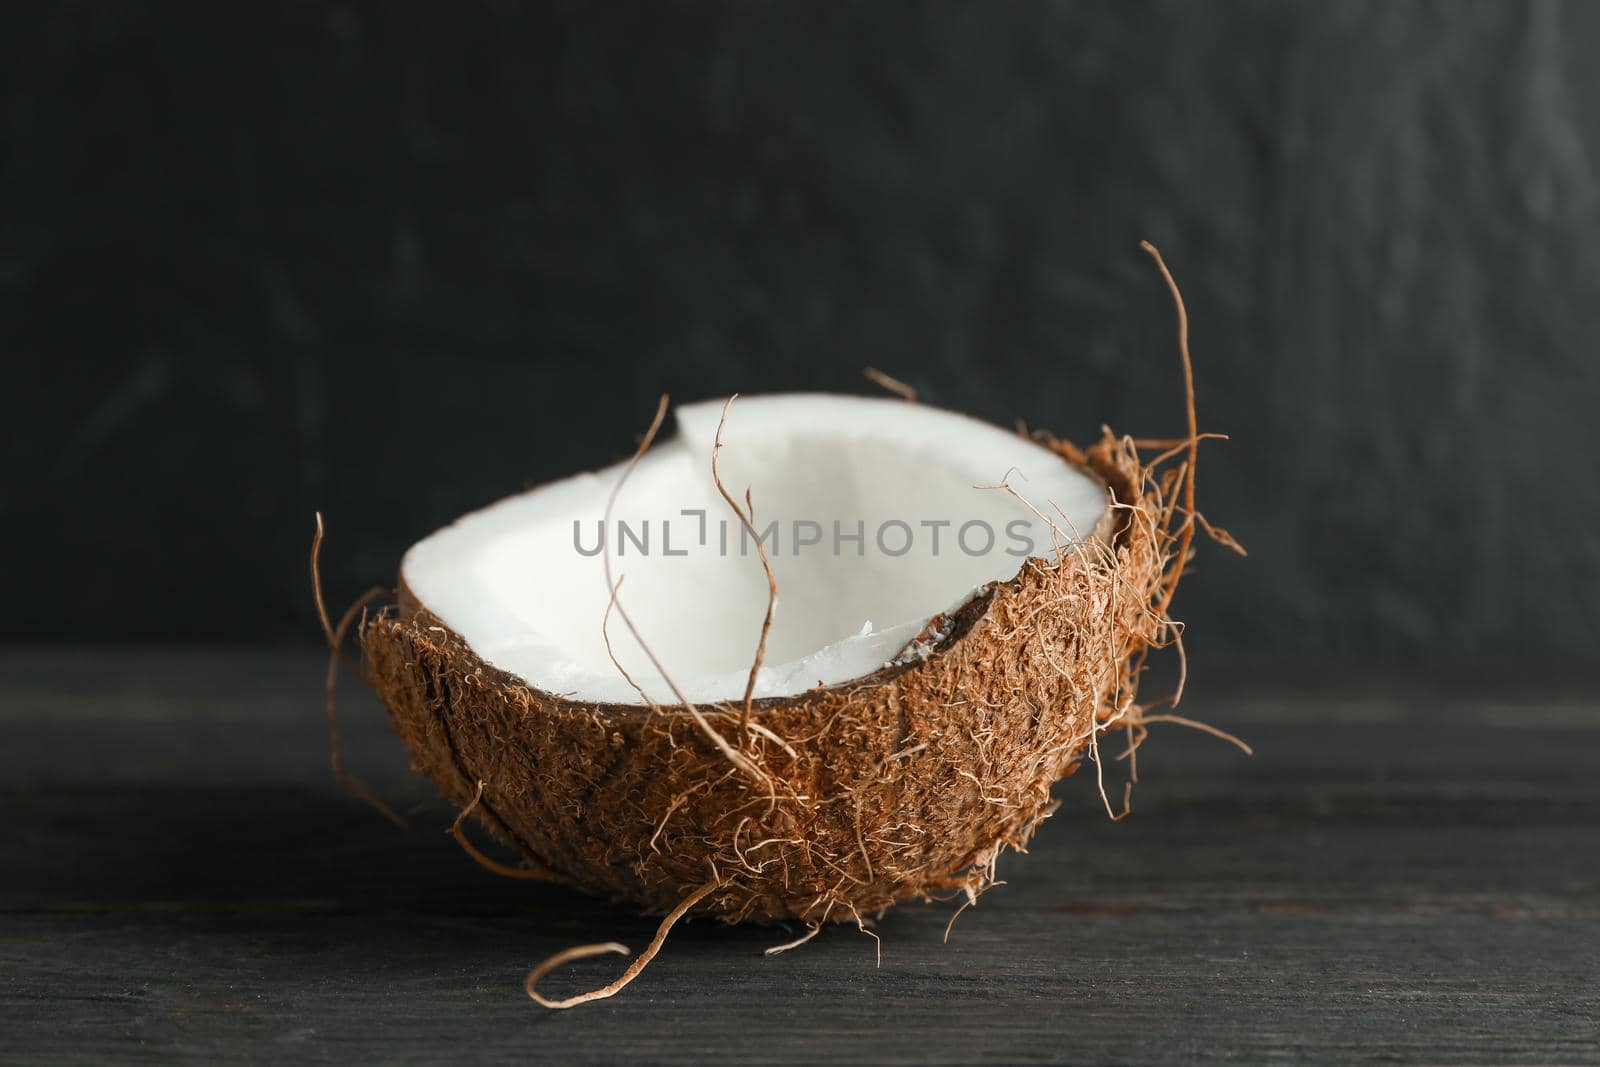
(1404,872)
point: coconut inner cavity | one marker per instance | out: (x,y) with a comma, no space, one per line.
(874,523)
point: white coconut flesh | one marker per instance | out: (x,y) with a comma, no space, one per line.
(522,583)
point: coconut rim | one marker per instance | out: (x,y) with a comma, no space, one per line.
(951,626)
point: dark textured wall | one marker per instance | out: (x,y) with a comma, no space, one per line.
(392,261)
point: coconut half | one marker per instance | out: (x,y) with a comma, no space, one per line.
(912,712)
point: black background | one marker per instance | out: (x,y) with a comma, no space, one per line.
(393,261)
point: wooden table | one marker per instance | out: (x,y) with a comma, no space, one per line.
(1404,871)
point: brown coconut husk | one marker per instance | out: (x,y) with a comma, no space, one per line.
(840,802)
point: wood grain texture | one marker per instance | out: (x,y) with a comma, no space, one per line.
(1405,872)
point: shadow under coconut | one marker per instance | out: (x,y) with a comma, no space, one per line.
(318,884)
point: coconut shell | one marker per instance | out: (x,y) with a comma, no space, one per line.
(905,783)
